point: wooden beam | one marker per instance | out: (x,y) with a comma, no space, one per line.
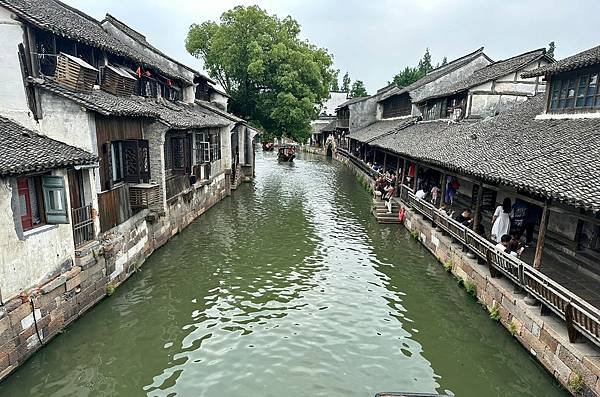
(539,248)
(416,177)
(478,204)
(403,178)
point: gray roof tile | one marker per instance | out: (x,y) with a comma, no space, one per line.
(585,58)
(23,151)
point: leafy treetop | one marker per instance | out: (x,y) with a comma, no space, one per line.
(358,89)
(346,82)
(411,74)
(275,79)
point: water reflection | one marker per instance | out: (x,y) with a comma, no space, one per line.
(288,288)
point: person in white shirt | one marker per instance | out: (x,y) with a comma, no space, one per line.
(420,194)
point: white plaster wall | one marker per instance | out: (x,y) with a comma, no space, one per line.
(68,122)
(226,147)
(487,105)
(13,101)
(219,99)
(25,262)
(444,81)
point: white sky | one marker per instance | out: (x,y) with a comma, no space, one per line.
(374,39)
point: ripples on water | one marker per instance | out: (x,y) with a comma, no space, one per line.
(290,288)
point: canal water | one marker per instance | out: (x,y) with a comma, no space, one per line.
(288,288)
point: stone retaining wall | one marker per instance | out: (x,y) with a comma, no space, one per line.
(545,337)
(575,365)
(28,322)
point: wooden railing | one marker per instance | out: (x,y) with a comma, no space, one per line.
(581,317)
(113,206)
(83,225)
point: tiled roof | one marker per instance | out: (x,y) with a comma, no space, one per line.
(557,158)
(435,74)
(491,72)
(141,40)
(380,128)
(23,151)
(175,115)
(585,58)
(63,20)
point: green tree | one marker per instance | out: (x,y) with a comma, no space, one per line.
(425,63)
(346,82)
(411,74)
(358,89)
(408,76)
(276,80)
(335,86)
(551,48)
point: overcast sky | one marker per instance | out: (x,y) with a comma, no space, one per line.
(374,39)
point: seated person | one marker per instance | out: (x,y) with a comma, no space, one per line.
(465,218)
(421,194)
(506,245)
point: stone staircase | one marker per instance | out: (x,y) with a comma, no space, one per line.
(380,211)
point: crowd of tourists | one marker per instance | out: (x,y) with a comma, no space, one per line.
(512,224)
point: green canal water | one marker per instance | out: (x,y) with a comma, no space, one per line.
(288,288)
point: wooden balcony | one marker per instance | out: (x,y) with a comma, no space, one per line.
(114,207)
(83,225)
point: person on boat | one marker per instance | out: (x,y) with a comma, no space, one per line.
(501,220)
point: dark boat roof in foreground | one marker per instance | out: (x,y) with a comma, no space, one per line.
(23,151)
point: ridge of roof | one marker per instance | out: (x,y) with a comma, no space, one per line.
(582,59)
(490,72)
(352,100)
(23,150)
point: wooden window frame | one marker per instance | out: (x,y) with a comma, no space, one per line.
(560,86)
(48,189)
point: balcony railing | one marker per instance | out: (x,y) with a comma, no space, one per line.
(114,207)
(580,316)
(83,225)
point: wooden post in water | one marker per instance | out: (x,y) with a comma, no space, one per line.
(539,248)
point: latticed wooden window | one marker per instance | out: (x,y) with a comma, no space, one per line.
(575,92)
(202,147)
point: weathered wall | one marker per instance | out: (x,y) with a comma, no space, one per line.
(28,257)
(95,272)
(65,121)
(363,113)
(443,82)
(13,101)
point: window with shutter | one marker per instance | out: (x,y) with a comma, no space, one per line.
(55,199)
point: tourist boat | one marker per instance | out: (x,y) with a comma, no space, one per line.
(268,146)
(286,153)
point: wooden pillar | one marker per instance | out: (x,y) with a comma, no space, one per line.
(396,188)
(443,188)
(416,177)
(478,203)
(403,177)
(384,160)
(539,248)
